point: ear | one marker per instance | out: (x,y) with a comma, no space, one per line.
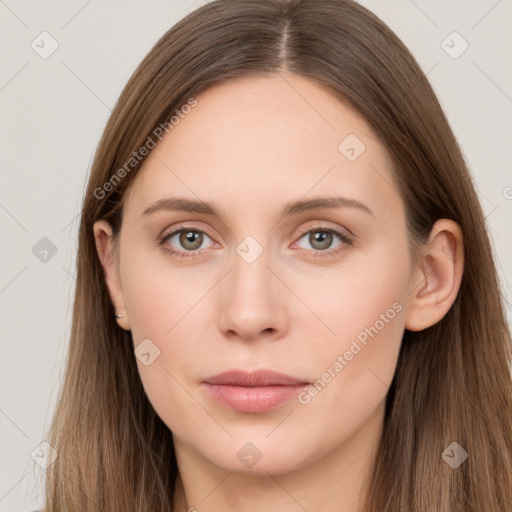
(437,282)
(109,261)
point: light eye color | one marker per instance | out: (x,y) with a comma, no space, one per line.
(192,239)
(327,237)
(185,236)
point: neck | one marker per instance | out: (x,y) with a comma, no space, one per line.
(332,482)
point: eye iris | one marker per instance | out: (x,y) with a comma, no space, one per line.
(192,240)
(324,237)
(192,237)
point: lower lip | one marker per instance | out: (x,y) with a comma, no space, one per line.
(253,399)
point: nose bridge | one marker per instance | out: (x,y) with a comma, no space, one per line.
(251,277)
(250,267)
(251,304)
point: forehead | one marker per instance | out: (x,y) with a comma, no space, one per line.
(256,135)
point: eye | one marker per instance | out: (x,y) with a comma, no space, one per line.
(322,238)
(187,240)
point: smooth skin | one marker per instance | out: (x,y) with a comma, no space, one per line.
(250,147)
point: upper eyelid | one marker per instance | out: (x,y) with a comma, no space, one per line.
(168,234)
(302,232)
(337,230)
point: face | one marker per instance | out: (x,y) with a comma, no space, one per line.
(316,292)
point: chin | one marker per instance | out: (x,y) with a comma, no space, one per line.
(263,457)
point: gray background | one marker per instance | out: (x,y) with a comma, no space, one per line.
(53,111)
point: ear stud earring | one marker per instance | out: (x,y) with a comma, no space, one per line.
(122,318)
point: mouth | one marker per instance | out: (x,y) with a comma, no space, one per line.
(253,392)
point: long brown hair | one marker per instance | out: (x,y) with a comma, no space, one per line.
(452,381)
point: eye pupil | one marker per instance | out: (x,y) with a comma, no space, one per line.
(323,237)
(191,237)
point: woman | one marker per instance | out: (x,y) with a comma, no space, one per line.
(286,297)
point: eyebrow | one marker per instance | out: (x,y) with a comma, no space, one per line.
(185,204)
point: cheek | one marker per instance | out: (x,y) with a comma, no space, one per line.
(365,292)
(162,304)
(157,293)
(363,318)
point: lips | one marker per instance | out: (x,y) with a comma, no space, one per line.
(253,392)
(254,379)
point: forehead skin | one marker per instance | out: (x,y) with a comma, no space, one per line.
(254,143)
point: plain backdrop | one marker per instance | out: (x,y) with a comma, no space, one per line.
(52,113)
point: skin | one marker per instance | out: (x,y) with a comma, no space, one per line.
(250,146)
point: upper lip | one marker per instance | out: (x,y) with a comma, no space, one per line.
(254,379)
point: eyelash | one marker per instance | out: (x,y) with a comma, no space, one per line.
(347,242)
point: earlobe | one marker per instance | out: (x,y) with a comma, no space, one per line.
(438,280)
(106,252)
(122,318)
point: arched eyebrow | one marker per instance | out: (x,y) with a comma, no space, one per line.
(303,205)
(185,204)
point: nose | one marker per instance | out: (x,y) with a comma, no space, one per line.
(253,301)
